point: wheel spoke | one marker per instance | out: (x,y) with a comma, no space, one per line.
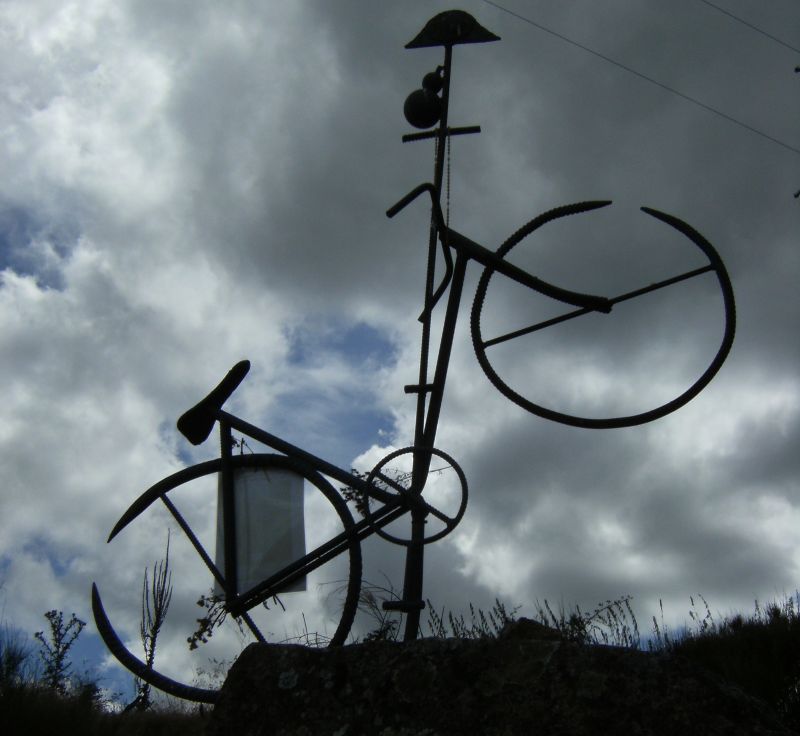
(194,540)
(534,328)
(581,312)
(402,490)
(662,284)
(448,520)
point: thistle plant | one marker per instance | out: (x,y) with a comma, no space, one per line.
(54,649)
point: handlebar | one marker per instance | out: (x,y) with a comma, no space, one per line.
(412,195)
(490,259)
(196,424)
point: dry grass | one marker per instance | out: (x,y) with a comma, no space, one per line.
(760,653)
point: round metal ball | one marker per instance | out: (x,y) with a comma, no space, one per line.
(422,108)
(432,81)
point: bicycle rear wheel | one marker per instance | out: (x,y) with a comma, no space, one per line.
(348,542)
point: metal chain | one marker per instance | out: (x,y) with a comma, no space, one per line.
(447,201)
(449,145)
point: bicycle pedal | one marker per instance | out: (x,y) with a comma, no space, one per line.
(403,606)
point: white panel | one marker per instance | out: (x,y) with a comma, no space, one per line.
(270,529)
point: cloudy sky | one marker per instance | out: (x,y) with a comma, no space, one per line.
(186,184)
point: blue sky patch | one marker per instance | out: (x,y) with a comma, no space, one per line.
(357,344)
(337,426)
(41,549)
(25,240)
(336,430)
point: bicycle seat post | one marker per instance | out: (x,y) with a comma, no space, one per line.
(228,512)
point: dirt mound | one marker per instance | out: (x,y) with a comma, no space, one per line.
(526,681)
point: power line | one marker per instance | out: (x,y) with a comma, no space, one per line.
(750,25)
(666,87)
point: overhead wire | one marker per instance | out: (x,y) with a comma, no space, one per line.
(750,25)
(639,74)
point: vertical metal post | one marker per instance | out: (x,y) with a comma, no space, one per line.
(443,361)
(441,142)
(412,583)
(424,388)
(415,553)
(446,29)
(228,511)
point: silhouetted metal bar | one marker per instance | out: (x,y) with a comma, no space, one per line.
(442,133)
(443,130)
(445,282)
(433,237)
(427,134)
(580,312)
(228,511)
(445,348)
(662,284)
(412,579)
(187,530)
(412,583)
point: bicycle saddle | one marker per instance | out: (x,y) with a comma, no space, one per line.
(196,423)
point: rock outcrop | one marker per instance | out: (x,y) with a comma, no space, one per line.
(526,681)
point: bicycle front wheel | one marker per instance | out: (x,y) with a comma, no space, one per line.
(611,362)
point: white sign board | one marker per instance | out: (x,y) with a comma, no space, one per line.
(270,529)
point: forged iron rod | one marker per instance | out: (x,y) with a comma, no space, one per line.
(187,530)
(612,300)
(231,584)
(465,130)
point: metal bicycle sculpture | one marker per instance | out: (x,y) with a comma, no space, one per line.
(384,497)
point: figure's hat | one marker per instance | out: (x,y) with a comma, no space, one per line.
(450,28)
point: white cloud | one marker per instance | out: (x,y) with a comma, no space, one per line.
(190,184)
